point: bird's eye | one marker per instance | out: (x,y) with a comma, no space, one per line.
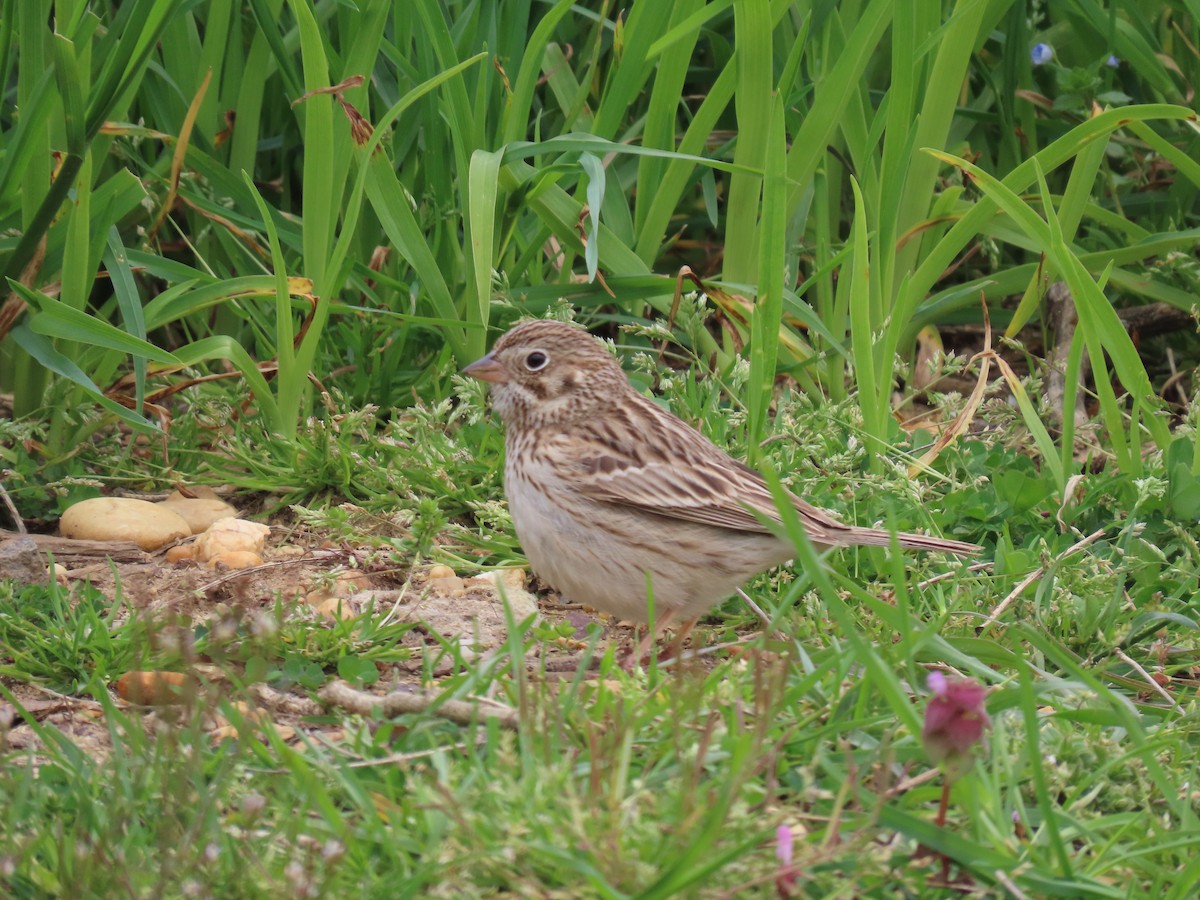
(536,361)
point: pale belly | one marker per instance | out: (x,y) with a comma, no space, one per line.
(611,558)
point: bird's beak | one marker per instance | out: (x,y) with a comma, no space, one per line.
(487,368)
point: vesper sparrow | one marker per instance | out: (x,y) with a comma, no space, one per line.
(606,488)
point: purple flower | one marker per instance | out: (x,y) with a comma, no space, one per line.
(955,721)
(1112,62)
(1041,54)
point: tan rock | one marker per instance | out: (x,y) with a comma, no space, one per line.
(335,608)
(200,513)
(316,597)
(198,491)
(231,534)
(181,553)
(223,733)
(510,582)
(351,581)
(148,525)
(155,688)
(453,586)
(330,606)
(235,559)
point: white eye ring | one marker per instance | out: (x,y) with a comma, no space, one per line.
(536,360)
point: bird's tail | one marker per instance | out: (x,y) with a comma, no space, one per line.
(874,537)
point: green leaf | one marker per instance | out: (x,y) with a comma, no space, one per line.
(971,855)
(130,304)
(357,670)
(54,319)
(595,194)
(481,219)
(768,305)
(43,351)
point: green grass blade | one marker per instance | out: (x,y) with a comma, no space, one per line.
(754,120)
(481,216)
(55,319)
(768,306)
(130,304)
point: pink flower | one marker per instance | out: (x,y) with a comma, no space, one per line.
(786,879)
(955,721)
(783,845)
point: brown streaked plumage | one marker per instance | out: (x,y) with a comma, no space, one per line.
(608,490)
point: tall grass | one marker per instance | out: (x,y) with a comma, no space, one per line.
(615,147)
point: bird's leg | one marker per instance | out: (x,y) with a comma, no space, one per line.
(635,657)
(674,650)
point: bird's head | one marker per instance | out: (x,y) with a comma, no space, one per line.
(549,373)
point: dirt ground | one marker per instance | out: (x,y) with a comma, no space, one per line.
(313,583)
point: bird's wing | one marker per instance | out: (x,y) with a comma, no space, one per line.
(672,470)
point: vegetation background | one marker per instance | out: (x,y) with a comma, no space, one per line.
(274,231)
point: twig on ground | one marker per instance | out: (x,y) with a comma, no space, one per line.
(565,663)
(762,616)
(1007,883)
(908,784)
(313,556)
(710,650)
(1175,380)
(283,702)
(18,522)
(953,573)
(72,552)
(1154,685)
(341,695)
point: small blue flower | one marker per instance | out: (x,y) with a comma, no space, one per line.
(1041,54)
(1112,62)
